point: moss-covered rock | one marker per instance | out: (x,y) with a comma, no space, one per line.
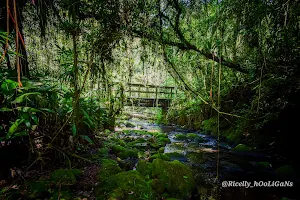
(129,124)
(163,141)
(123,152)
(241,148)
(109,168)
(286,171)
(195,137)
(144,168)
(161,150)
(176,178)
(157,186)
(157,143)
(160,156)
(116,149)
(65,176)
(131,186)
(175,156)
(263,165)
(129,153)
(160,135)
(192,136)
(196,158)
(181,137)
(118,141)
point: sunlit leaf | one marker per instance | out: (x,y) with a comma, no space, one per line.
(28,109)
(5,109)
(35,119)
(8,85)
(47,110)
(22,133)
(21,98)
(27,123)
(13,128)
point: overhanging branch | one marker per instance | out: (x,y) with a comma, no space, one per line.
(188,46)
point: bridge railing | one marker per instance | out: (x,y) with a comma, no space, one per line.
(134,90)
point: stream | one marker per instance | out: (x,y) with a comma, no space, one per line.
(200,152)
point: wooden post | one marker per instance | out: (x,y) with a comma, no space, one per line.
(156,96)
(139,91)
(129,90)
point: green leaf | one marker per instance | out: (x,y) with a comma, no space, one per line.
(8,85)
(27,123)
(22,133)
(25,116)
(13,128)
(87,138)
(35,119)
(74,130)
(28,109)
(6,109)
(21,98)
(47,110)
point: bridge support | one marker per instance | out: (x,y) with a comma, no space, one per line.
(164,112)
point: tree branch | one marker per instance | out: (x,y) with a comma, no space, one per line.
(188,46)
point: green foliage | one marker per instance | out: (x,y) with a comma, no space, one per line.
(210,126)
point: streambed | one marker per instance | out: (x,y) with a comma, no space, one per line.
(200,152)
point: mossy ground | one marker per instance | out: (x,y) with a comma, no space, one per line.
(154,177)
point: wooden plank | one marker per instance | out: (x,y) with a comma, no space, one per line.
(153,92)
(150,86)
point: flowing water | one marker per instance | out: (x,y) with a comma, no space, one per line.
(200,151)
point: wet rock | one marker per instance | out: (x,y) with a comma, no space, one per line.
(129,125)
(161,150)
(195,158)
(180,137)
(128,163)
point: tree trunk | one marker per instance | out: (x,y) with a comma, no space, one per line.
(76,85)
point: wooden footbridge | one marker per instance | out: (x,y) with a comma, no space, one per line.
(148,95)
